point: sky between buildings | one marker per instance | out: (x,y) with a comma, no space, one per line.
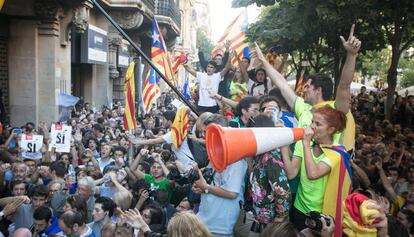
(221,14)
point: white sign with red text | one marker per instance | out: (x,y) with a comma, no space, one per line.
(61,136)
(31,146)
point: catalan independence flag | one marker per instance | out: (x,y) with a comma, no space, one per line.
(160,58)
(129,92)
(179,127)
(338,186)
(235,33)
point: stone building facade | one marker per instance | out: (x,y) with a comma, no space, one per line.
(52,46)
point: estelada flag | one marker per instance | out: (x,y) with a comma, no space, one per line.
(178,60)
(300,83)
(235,33)
(338,186)
(179,127)
(130,121)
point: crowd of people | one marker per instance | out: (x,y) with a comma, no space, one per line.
(352,173)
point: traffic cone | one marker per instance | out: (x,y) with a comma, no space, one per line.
(228,145)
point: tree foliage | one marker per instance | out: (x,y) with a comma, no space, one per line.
(203,42)
(310,30)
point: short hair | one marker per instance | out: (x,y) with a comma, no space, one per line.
(99,127)
(323,81)
(42,213)
(266,99)
(120,148)
(245,103)
(107,205)
(40,191)
(169,115)
(247,58)
(186,224)
(261,120)
(59,167)
(70,218)
(78,203)
(157,214)
(140,184)
(260,70)
(123,200)
(276,93)
(22,232)
(212,63)
(204,116)
(216,119)
(88,181)
(145,166)
(17,182)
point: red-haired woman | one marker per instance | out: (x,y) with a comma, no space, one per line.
(319,163)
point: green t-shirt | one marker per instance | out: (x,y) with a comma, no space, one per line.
(304,113)
(311,192)
(163,184)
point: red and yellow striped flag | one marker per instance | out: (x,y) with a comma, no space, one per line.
(300,83)
(130,121)
(179,127)
(1,4)
(235,34)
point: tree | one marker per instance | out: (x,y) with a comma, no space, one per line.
(203,42)
(406,66)
(312,31)
(396,19)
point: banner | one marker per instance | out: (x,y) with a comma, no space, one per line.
(61,136)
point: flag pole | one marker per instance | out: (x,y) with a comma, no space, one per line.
(122,32)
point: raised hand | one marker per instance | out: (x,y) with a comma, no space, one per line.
(308,134)
(352,44)
(11,207)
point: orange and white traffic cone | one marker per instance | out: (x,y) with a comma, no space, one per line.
(229,145)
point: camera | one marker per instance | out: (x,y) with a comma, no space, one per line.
(152,193)
(190,176)
(313,220)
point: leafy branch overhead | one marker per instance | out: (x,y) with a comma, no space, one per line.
(311,30)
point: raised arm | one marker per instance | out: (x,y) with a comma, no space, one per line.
(202,59)
(190,69)
(277,79)
(243,70)
(343,93)
(227,67)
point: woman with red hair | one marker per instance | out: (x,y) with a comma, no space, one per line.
(322,166)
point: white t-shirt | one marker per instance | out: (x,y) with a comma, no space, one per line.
(183,153)
(103,163)
(207,84)
(259,90)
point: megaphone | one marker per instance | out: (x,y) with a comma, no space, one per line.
(228,145)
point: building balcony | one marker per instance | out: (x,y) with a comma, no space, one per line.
(168,15)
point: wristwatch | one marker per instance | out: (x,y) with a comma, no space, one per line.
(206,189)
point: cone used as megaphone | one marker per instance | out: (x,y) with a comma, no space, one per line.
(228,145)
